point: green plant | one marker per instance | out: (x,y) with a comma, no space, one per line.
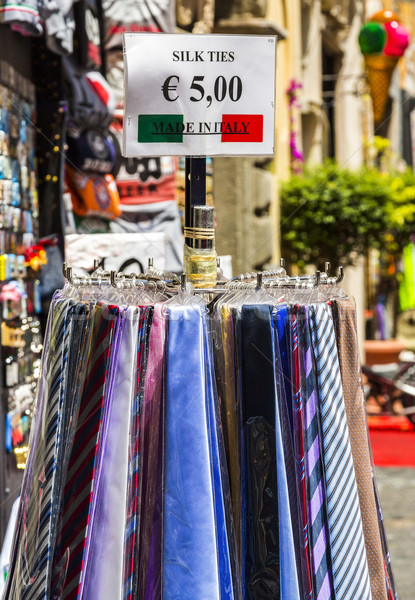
(331,213)
(401,210)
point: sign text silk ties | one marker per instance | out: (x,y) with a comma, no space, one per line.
(345,325)
(81,468)
(32,578)
(297,408)
(315,485)
(260,556)
(348,552)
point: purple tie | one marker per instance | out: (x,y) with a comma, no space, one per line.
(315,485)
(150,534)
(107,536)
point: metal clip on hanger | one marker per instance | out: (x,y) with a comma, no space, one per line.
(67,272)
(168,277)
(172,284)
(259,281)
(325,277)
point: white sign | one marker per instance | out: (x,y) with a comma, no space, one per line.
(198,95)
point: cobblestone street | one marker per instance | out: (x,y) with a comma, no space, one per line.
(397,494)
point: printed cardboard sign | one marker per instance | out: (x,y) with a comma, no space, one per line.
(199,95)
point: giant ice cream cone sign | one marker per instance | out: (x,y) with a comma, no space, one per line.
(379,71)
(382,40)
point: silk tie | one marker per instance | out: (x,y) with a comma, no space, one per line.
(346,334)
(149,583)
(348,553)
(69,561)
(105,568)
(143,455)
(297,409)
(33,441)
(229,575)
(281,327)
(190,550)
(260,556)
(288,569)
(133,507)
(315,485)
(231,415)
(153,588)
(32,575)
(99,489)
(78,353)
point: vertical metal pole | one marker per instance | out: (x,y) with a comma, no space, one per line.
(195,187)
(198,182)
(187,193)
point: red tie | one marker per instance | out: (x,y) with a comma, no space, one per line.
(299,451)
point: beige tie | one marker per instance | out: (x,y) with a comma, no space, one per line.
(347,343)
(231,425)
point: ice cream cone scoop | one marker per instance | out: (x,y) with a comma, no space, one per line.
(379,70)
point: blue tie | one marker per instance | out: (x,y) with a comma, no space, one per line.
(289,574)
(283,325)
(348,553)
(281,334)
(220,481)
(191,568)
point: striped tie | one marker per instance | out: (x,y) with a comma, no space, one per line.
(132,522)
(33,442)
(32,572)
(299,451)
(78,353)
(350,571)
(77,495)
(315,486)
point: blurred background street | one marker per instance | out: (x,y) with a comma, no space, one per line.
(393,446)
(397,493)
